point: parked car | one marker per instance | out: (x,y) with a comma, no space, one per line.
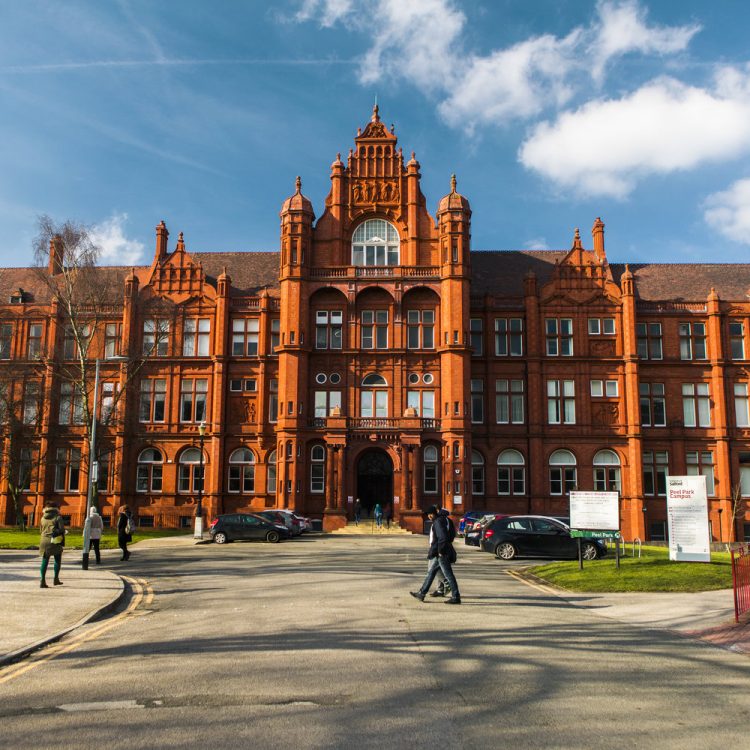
(468,519)
(285,518)
(236,526)
(305,524)
(473,536)
(536,536)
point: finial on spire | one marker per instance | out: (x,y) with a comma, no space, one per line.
(453,183)
(338,156)
(375,111)
(298,184)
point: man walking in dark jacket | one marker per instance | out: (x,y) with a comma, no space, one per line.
(441,554)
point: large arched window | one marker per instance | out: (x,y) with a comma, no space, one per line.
(318,469)
(477,473)
(562,472)
(373,403)
(607,471)
(430,464)
(190,471)
(242,471)
(271,476)
(375,243)
(149,471)
(511,473)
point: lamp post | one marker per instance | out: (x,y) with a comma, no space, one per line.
(198,532)
(721,532)
(93,464)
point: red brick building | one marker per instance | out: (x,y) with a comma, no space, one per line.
(377,356)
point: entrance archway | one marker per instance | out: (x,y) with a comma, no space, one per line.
(374,479)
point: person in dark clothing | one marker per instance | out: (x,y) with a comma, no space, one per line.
(388,512)
(441,554)
(357,512)
(51,543)
(124,531)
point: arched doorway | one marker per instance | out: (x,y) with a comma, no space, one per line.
(374,479)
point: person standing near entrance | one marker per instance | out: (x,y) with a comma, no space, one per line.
(388,513)
(441,554)
(378,515)
(357,512)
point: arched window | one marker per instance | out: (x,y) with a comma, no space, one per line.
(373,403)
(563,477)
(242,471)
(511,473)
(430,465)
(607,471)
(375,243)
(149,471)
(190,471)
(318,469)
(477,473)
(271,477)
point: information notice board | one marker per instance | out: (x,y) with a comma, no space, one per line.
(687,517)
(595,514)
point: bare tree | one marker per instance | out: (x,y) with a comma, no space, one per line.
(739,508)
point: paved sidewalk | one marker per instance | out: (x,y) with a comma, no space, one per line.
(31,617)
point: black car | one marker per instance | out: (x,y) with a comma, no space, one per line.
(536,536)
(235,526)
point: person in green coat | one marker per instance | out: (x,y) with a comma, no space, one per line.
(51,543)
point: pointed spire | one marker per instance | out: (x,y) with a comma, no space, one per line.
(181,243)
(453,183)
(577,240)
(298,184)
(375,112)
(597,233)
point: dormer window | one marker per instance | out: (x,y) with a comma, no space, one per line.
(375,243)
(17,297)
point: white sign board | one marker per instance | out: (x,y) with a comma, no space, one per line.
(396,499)
(687,516)
(595,511)
(458,500)
(350,499)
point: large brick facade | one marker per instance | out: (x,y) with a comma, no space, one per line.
(377,356)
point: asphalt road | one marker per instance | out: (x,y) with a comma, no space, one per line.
(316,643)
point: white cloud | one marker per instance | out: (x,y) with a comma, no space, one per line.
(116,248)
(327,12)
(622,28)
(606,146)
(728,212)
(536,243)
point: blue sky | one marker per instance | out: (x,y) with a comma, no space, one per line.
(120,113)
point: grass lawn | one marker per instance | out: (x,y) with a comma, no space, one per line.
(653,571)
(15,539)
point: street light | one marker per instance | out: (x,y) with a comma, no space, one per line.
(93,465)
(721,531)
(198,532)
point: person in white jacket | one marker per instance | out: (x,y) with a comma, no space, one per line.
(95,528)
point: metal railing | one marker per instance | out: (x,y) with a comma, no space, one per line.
(741,580)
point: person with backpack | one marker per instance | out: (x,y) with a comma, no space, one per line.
(95,526)
(51,543)
(441,554)
(125,529)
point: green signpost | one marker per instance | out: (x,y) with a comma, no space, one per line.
(588,534)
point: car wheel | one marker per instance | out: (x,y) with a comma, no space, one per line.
(220,537)
(505,551)
(273,537)
(589,551)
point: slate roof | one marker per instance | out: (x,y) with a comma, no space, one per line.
(495,272)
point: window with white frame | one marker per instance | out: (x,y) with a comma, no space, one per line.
(693,341)
(741,413)
(71,404)
(31,395)
(423,402)
(329,325)
(508,337)
(420,329)
(601,326)
(701,463)
(430,468)
(649,340)
(317,469)
(241,471)
(245,337)
(196,333)
(6,340)
(326,402)
(563,477)
(155,337)
(604,388)
(193,397)
(153,399)
(271,473)
(477,473)
(476,336)
(477,401)
(559,335)
(149,471)
(737,339)
(509,401)
(606,471)
(36,331)
(273,400)
(561,402)
(696,405)
(373,403)
(653,405)
(655,471)
(374,329)
(67,469)
(511,473)
(190,471)
(112,336)
(375,243)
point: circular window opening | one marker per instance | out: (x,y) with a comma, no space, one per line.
(320,378)
(335,378)
(413,378)
(428,378)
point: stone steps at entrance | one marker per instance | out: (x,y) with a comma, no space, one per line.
(367,526)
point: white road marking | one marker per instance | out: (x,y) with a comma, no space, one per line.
(100,706)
